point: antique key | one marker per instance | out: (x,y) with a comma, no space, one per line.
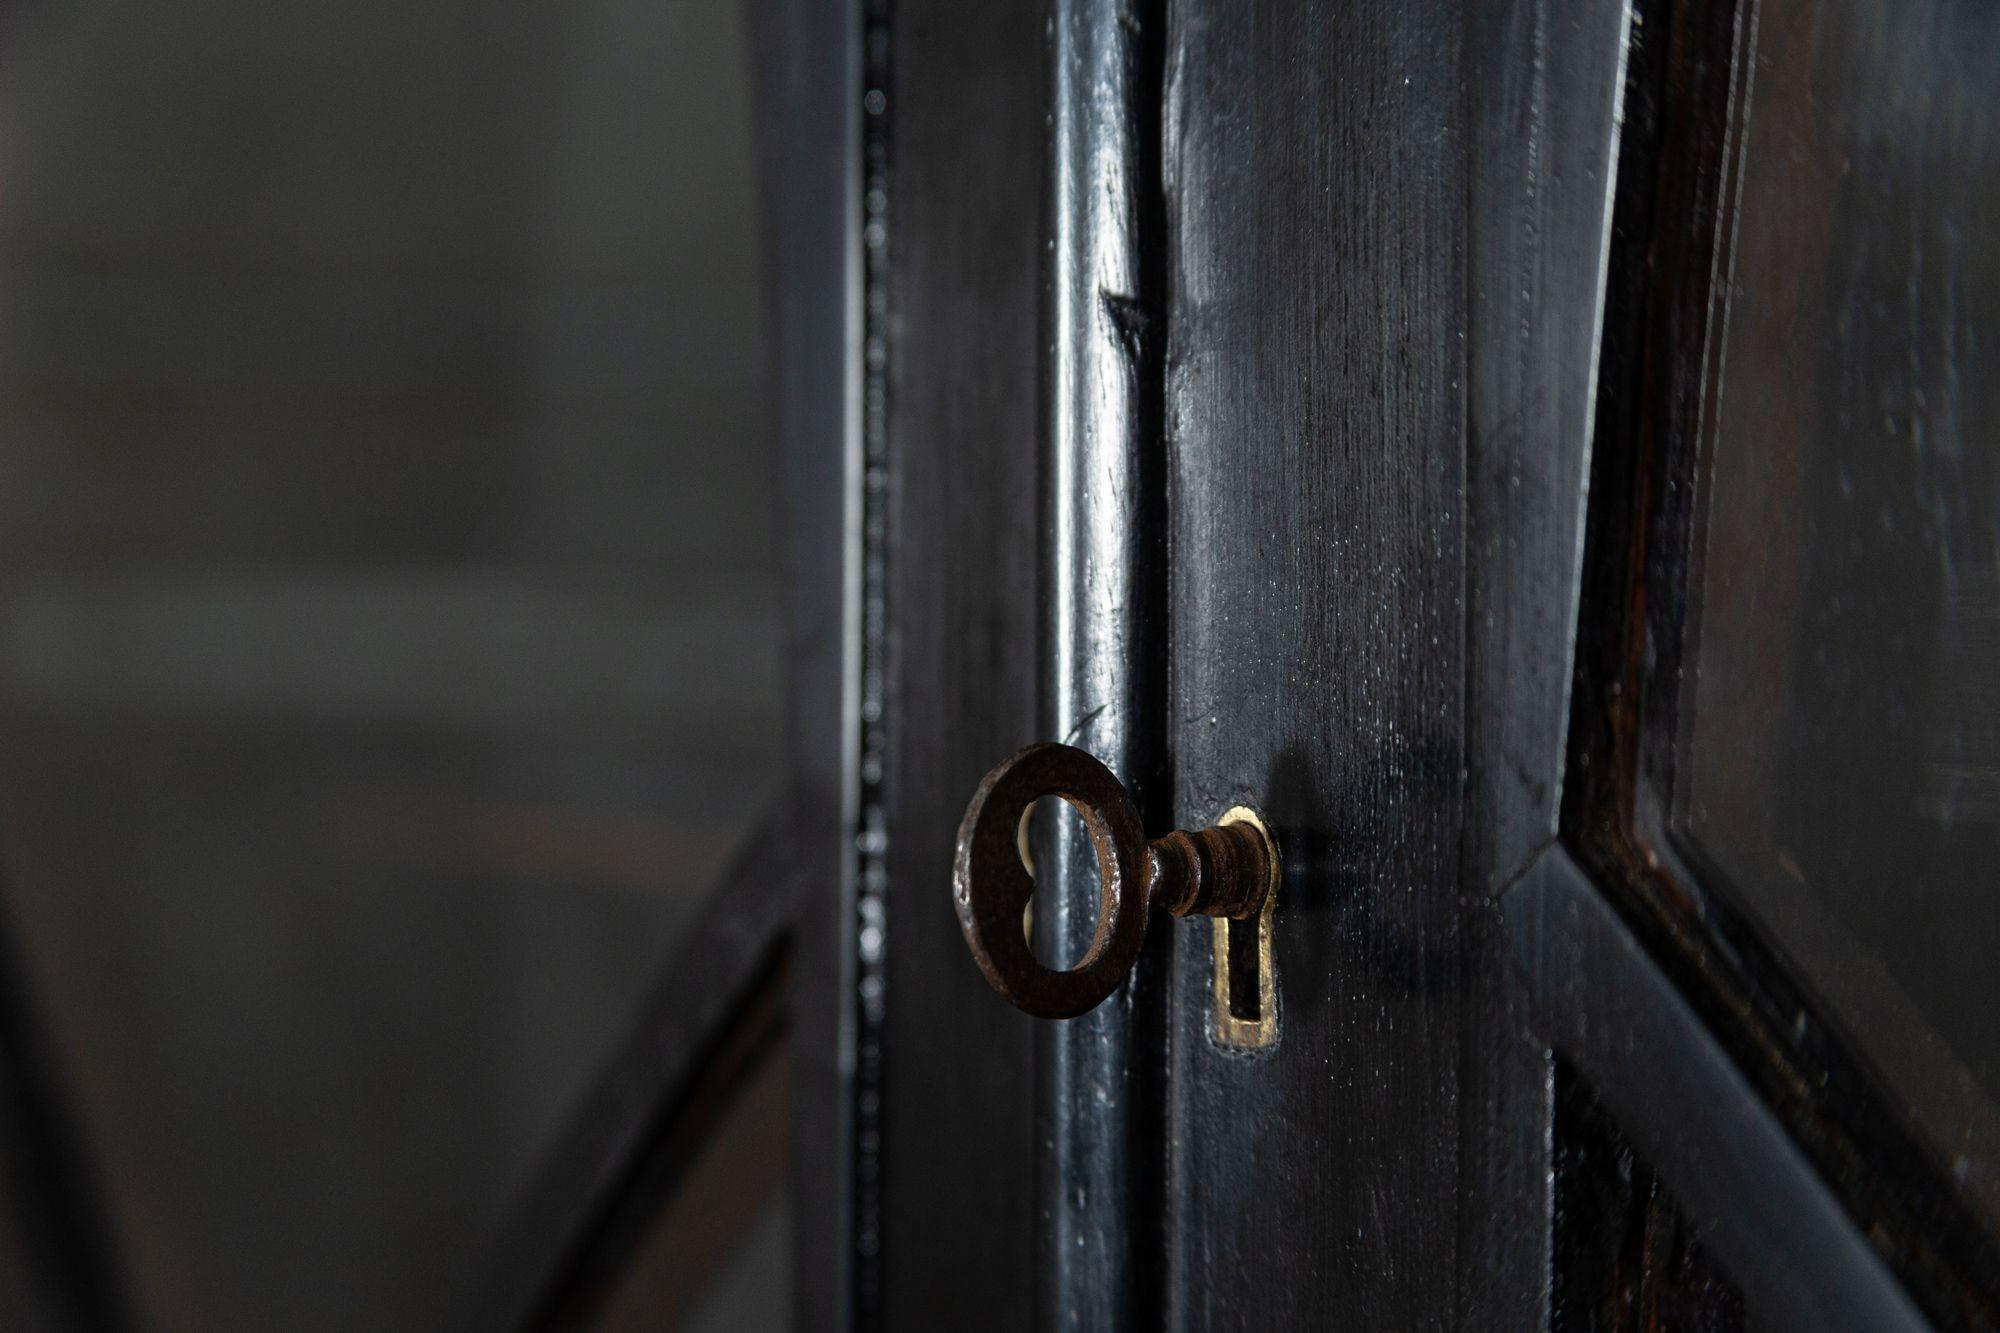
(1227,870)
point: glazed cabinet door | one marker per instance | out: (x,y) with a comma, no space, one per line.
(1527,454)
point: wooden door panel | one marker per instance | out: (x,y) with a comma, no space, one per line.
(1374,525)
(1422,271)
(1316,161)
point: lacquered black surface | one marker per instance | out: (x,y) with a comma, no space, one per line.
(958,1236)
(1627,1257)
(1546,117)
(1753,1195)
(1316,175)
(1102,652)
(1387,235)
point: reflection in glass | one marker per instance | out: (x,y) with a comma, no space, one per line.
(388,616)
(1843,763)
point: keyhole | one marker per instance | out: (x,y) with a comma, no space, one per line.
(1246,1000)
(1053,832)
(1246,985)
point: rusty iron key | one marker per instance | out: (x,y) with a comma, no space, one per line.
(1226,870)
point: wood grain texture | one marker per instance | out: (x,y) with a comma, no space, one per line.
(1384,298)
(1315,173)
(958,1161)
(1543,97)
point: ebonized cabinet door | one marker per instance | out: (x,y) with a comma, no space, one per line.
(1533,454)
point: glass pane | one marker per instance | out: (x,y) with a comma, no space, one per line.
(389,643)
(1844,756)
(716,1255)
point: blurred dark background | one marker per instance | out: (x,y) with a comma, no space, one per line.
(389,641)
